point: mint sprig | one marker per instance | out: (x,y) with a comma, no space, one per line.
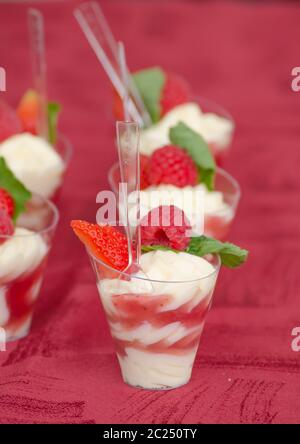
(14,187)
(149,83)
(231,255)
(184,137)
(53,109)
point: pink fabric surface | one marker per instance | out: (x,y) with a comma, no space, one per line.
(238,54)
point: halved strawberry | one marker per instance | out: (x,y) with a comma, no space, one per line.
(7,203)
(104,242)
(28,111)
(6,226)
(9,121)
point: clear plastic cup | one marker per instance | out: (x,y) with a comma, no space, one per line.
(216,223)
(23,259)
(64,149)
(220,149)
(156,325)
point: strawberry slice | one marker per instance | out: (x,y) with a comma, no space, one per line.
(28,111)
(104,242)
(9,122)
(6,226)
(7,203)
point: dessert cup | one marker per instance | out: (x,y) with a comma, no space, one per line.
(219,139)
(219,150)
(64,149)
(156,325)
(217,223)
(39,165)
(23,258)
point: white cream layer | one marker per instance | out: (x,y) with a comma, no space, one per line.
(34,162)
(156,370)
(194,275)
(194,201)
(21,254)
(213,128)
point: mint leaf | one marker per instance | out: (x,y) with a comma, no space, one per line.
(53,110)
(231,255)
(14,187)
(150,83)
(184,137)
(147,248)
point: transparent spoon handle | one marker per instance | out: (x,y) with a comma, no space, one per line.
(125,80)
(128,150)
(39,67)
(97,31)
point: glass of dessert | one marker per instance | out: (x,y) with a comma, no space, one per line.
(27,224)
(156,314)
(168,100)
(38,162)
(182,172)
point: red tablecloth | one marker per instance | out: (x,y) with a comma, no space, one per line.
(241,55)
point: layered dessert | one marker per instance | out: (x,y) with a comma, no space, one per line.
(156,328)
(183,173)
(38,162)
(23,251)
(22,263)
(156,312)
(168,100)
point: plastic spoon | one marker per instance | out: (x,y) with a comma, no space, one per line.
(96,29)
(124,76)
(128,151)
(39,68)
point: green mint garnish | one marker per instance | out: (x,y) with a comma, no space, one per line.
(53,110)
(184,137)
(14,187)
(150,83)
(231,255)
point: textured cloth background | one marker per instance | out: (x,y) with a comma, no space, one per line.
(241,55)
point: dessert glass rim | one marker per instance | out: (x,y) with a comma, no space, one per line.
(219,171)
(236,187)
(68,148)
(131,276)
(223,112)
(52,225)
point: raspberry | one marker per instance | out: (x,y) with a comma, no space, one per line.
(7,203)
(9,122)
(175,92)
(166,226)
(144,171)
(6,226)
(104,241)
(172,165)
